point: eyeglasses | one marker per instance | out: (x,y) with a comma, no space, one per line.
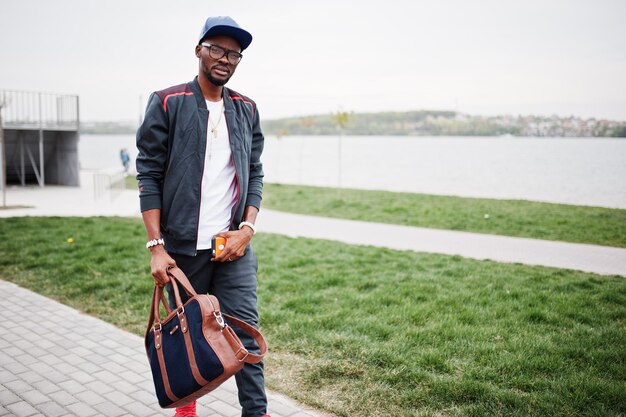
(217,52)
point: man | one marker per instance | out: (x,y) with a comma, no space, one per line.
(200,176)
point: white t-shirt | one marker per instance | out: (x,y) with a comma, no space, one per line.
(219,182)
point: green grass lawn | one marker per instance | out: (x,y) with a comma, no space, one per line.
(568,223)
(363,331)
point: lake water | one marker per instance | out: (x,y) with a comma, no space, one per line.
(586,171)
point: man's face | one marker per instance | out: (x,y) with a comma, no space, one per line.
(217,71)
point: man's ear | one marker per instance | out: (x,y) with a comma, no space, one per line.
(198,49)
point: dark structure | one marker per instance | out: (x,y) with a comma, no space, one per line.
(40,138)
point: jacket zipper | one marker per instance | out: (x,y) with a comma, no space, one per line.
(232,157)
(200,200)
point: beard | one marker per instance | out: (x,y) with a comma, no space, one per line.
(216,81)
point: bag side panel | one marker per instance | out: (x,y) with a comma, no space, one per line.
(209,364)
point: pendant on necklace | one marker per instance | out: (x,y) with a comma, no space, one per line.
(214,132)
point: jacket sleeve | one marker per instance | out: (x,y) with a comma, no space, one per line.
(255,184)
(152,144)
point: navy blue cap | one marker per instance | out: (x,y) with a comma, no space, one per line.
(225,26)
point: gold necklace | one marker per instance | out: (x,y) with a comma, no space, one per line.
(214,126)
(214,129)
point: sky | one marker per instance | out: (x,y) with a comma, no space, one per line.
(481,57)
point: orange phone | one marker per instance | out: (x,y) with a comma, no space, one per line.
(218,244)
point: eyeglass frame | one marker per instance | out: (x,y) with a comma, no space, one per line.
(225,52)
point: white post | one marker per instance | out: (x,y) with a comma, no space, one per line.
(3,182)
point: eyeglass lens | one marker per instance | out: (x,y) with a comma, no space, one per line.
(217,52)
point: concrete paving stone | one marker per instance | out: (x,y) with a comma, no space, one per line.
(226,396)
(279,407)
(115,368)
(8,397)
(90,397)
(107,377)
(127,387)
(82,410)
(31,377)
(26,359)
(65,345)
(90,368)
(147,398)
(138,366)
(41,368)
(117,397)
(126,353)
(81,351)
(24,345)
(44,343)
(121,360)
(55,376)
(138,409)
(52,409)
(72,387)
(66,368)
(22,409)
(72,359)
(6,358)
(63,398)
(146,385)
(4,344)
(17,385)
(14,368)
(46,387)
(13,351)
(37,351)
(89,344)
(7,376)
(98,358)
(224,409)
(34,397)
(108,343)
(82,377)
(57,351)
(11,328)
(3,411)
(110,410)
(131,377)
(99,387)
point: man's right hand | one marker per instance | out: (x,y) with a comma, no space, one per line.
(160,262)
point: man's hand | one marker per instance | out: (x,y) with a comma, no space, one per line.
(159,265)
(236,243)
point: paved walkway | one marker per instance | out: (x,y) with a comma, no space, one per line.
(590,258)
(56,361)
(72,201)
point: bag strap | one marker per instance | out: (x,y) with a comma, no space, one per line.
(180,278)
(258,337)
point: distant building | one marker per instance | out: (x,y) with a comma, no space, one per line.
(41,138)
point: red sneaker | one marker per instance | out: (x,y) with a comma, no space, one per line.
(188,410)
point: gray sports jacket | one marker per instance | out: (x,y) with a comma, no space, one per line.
(172,144)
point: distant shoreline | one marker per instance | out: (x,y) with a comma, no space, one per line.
(415,124)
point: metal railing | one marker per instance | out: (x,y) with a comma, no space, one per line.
(34,110)
(108,182)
